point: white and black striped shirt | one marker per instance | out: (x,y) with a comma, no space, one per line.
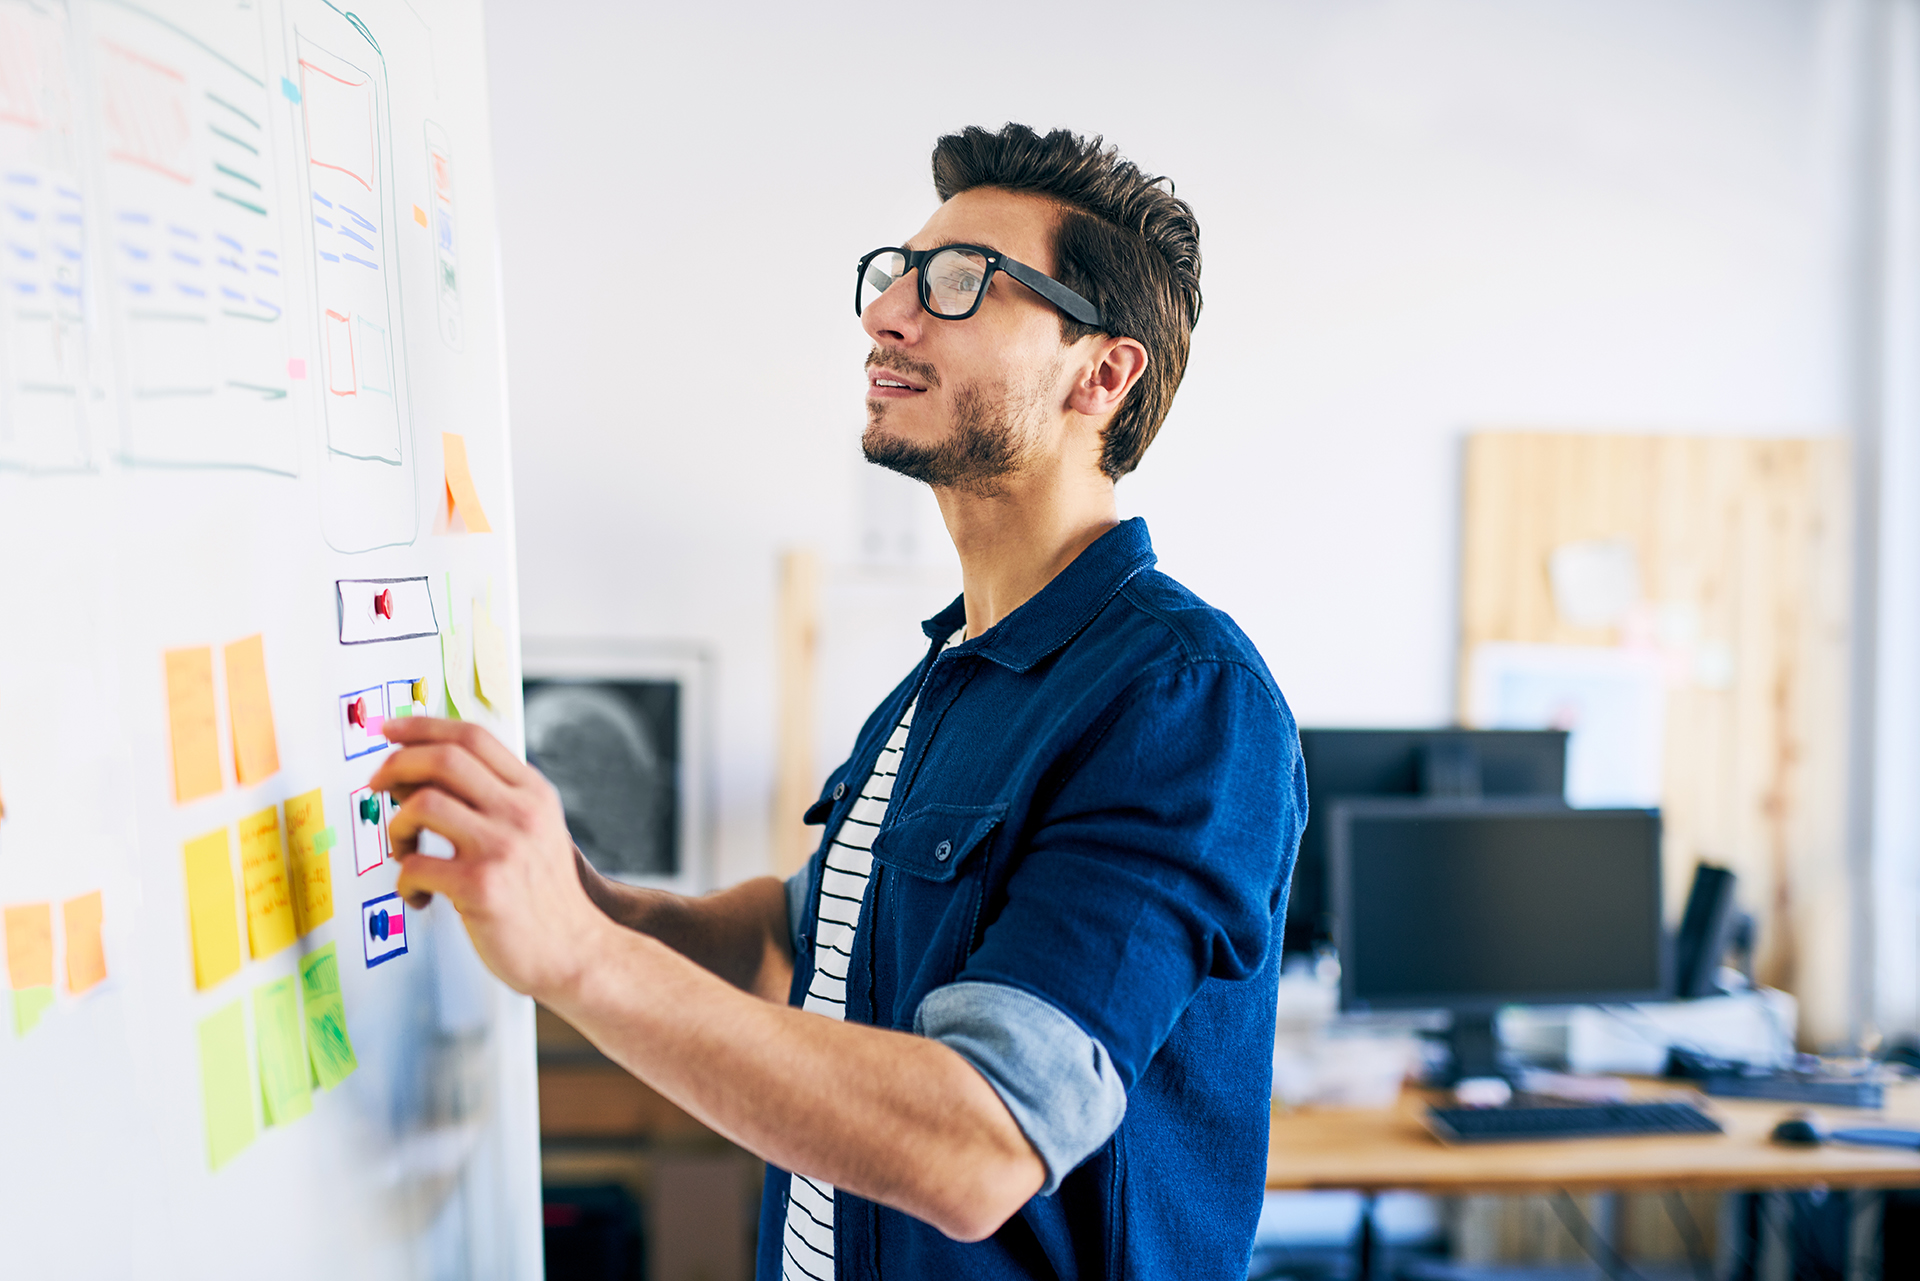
(808,1240)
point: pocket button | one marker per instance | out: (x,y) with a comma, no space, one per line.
(839,791)
(943,851)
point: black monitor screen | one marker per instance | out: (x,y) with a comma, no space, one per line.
(1443,906)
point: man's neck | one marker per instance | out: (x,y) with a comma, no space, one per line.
(1012,544)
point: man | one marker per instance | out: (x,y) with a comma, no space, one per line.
(1036,954)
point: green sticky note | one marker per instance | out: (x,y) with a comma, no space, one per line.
(329,1048)
(29,1003)
(226,1087)
(283,1060)
(325,839)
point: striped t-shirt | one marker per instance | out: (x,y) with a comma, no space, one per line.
(808,1239)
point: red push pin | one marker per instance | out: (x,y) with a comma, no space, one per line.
(383,603)
(357,712)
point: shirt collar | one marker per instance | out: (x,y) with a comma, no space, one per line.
(1059,610)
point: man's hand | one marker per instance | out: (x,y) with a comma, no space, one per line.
(512,876)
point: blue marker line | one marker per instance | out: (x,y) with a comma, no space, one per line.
(24,179)
(323,222)
(356,239)
(362,221)
(189,290)
(270,271)
(71,219)
(234,294)
(65,291)
(21,252)
(329,257)
(230,242)
(323,200)
(133,216)
(362,261)
(225,261)
(134,251)
(23,214)
(189,259)
(25,287)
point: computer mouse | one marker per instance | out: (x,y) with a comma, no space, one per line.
(1800,1130)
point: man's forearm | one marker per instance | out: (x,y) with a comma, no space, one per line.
(896,1118)
(740,934)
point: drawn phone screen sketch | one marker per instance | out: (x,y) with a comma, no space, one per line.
(43,246)
(446,255)
(370,500)
(193,271)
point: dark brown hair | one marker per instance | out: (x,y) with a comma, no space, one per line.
(1126,243)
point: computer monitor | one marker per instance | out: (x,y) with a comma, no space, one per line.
(1356,763)
(1468,907)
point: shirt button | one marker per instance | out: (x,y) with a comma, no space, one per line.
(943,851)
(839,791)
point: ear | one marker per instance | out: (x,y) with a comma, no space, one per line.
(1114,366)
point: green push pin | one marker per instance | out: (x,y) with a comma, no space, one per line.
(370,808)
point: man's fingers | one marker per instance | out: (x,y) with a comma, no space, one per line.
(429,807)
(451,767)
(421,730)
(421,877)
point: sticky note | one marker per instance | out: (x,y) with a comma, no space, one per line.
(226,1088)
(420,215)
(309,867)
(263,871)
(250,708)
(86,955)
(284,1086)
(490,657)
(457,662)
(297,368)
(30,945)
(210,909)
(325,839)
(329,1048)
(289,90)
(190,720)
(460,490)
(28,1005)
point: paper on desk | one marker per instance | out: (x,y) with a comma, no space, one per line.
(310,864)
(191,723)
(256,755)
(210,909)
(263,870)
(29,945)
(284,1086)
(329,1048)
(86,953)
(226,1090)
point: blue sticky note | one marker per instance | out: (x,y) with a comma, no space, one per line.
(290,90)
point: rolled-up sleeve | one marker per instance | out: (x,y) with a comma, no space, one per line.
(1058,1082)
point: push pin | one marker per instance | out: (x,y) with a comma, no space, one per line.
(383,603)
(357,712)
(419,691)
(370,809)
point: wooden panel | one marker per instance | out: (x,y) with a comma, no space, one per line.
(797,646)
(1743,545)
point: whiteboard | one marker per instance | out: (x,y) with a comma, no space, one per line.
(253,499)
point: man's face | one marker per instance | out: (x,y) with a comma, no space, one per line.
(965,404)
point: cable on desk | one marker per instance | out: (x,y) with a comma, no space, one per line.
(1590,1242)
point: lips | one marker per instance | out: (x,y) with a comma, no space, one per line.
(886,384)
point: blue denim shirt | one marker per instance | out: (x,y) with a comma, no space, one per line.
(1098,808)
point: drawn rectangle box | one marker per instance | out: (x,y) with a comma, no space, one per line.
(384,609)
(383,929)
(407,698)
(362,713)
(369,811)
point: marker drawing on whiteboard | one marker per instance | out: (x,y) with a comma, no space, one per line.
(383,929)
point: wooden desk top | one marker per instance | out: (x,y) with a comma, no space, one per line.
(1390,1149)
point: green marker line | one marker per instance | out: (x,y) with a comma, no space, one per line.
(242,203)
(238,142)
(235,173)
(214,97)
(268,393)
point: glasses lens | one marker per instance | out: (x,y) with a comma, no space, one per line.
(954,277)
(879,276)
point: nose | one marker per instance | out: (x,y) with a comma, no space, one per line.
(895,319)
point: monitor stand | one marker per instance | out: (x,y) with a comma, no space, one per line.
(1474,1045)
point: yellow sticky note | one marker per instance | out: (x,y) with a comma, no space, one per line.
(29,1003)
(329,1048)
(191,722)
(216,936)
(489,656)
(226,1087)
(420,215)
(250,709)
(311,866)
(283,1054)
(263,871)
(460,490)
(30,945)
(86,955)
(456,660)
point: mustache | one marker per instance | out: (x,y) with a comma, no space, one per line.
(901,363)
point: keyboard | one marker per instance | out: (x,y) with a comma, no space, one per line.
(1516,1124)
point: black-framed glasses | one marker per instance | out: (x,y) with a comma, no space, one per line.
(954,278)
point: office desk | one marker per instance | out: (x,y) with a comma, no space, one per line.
(1391,1150)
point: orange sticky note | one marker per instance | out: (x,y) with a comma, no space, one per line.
(30,945)
(250,708)
(420,215)
(196,737)
(460,491)
(216,935)
(263,871)
(86,955)
(311,862)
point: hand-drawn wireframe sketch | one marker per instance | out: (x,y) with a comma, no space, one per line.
(43,247)
(195,276)
(446,256)
(369,499)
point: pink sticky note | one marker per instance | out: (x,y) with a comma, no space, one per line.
(373,725)
(296,368)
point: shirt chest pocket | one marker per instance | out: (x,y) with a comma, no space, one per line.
(934,860)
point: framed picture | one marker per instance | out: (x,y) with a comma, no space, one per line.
(620,728)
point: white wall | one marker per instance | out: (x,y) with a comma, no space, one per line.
(1417,218)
